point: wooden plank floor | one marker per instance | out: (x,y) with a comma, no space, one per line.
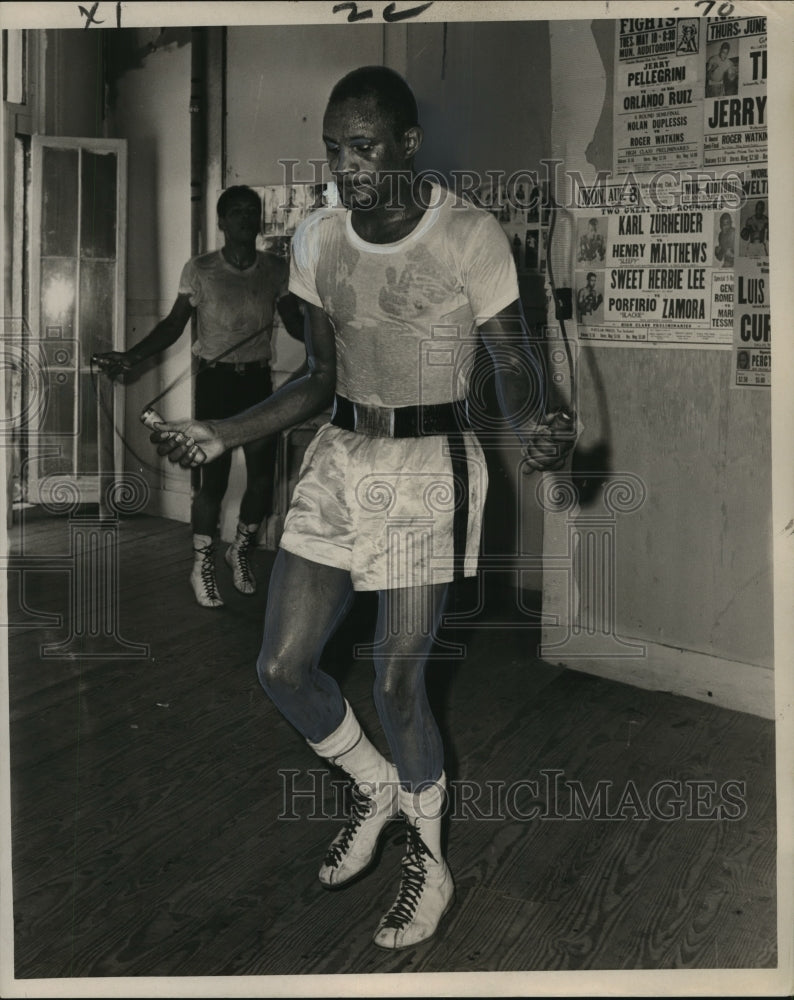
(150,824)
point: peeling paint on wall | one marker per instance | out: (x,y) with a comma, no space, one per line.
(131,48)
(599,150)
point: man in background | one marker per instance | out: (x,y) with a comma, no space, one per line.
(235,293)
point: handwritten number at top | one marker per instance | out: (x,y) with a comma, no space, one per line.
(91,18)
(724,9)
(390,12)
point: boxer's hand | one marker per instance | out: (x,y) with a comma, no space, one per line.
(114,363)
(548,444)
(188,443)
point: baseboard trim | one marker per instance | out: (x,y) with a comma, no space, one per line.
(742,687)
(167,503)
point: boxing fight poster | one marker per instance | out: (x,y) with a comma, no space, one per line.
(752,354)
(652,271)
(657,94)
(689,92)
(734,107)
(672,249)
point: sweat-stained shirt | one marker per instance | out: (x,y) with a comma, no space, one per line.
(405,314)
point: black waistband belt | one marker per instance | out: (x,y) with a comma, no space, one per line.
(400,421)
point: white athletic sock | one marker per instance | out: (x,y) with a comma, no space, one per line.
(348,747)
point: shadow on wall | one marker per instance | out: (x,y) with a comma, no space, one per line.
(599,151)
(591,462)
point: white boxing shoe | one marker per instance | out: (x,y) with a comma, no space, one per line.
(427,891)
(352,851)
(237,558)
(374,801)
(202,576)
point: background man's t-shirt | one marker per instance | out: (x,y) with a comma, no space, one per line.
(234,306)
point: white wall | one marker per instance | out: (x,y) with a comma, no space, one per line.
(483,91)
(693,563)
(277,84)
(151,110)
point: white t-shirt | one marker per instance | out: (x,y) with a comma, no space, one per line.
(234,306)
(406,313)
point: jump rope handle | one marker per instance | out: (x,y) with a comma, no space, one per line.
(150,417)
(563,420)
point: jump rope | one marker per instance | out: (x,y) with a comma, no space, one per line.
(561,306)
(563,419)
(590,467)
(150,417)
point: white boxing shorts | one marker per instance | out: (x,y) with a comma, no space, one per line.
(390,511)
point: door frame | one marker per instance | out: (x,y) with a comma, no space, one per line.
(119,147)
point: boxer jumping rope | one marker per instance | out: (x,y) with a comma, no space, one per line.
(391,491)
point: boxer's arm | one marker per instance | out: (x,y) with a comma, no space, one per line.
(294,402)
(164,334)
(297,400)
(291,314)
(520,376)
